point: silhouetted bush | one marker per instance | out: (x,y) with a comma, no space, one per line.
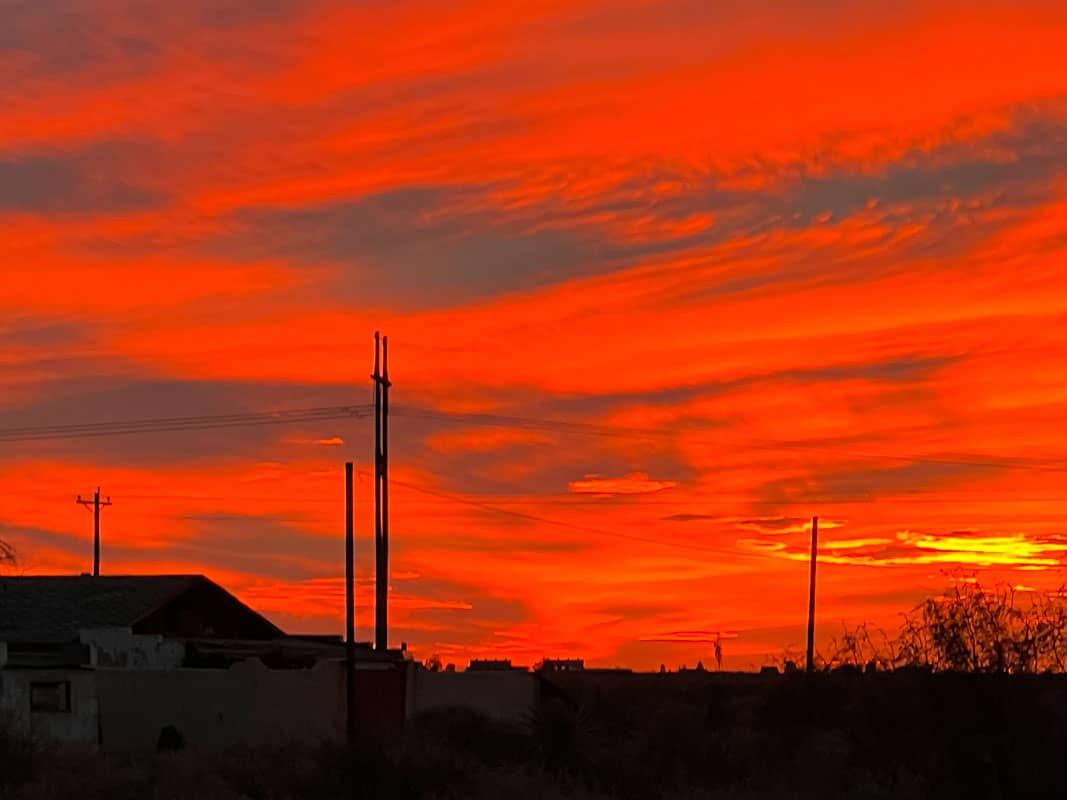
(969,628)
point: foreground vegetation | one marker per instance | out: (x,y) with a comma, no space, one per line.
(907,734)
(970,628)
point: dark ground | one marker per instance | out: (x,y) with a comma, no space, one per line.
(901,735)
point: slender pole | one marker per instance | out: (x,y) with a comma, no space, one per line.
(383,644)
(811,594)
(96,533)
(350,611)
(378,623)
(95,504)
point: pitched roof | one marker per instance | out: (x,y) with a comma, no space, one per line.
(55,608)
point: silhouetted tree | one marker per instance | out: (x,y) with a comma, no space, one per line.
(967,629)
(433,663)
(859,647)
(7,554)
(974,629)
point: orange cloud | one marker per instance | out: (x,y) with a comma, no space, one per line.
(634,483)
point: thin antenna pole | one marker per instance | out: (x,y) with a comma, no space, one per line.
(96,505)
(350,610)
(811,593)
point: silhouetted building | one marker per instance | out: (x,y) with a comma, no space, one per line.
(37,613)
(124,663)
(493,665)
(562,665)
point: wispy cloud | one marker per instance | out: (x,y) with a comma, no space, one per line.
(634,483)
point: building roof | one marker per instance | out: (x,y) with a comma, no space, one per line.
(493,665)
(562,665)
(55,608)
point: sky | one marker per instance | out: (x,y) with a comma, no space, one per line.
(662,281)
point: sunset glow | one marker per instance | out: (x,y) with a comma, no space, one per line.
(662,281)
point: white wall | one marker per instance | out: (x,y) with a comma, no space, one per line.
(213,709)
(119,647)
(498,695)
(76,727)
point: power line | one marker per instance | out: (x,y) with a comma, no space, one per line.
(695,501)
(330,413)
(620,502)
(178,424)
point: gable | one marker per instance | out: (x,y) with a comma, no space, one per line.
(53,609)
(207,611)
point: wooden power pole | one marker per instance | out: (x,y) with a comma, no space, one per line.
(381,491)
(811,594)
(384,643)
(350,611)
(95,504)
(377,378)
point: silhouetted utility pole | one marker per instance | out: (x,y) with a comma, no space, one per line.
(386,385)
(377,378)
(350,611)
(811,594)
(95,504)
(381,490)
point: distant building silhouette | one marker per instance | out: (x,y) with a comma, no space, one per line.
(492,665)
(562,665)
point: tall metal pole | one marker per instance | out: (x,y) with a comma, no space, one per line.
(811,594)
(350,611)
(383,643)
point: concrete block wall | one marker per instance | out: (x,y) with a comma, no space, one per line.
(217,709)
(250,704)
(76,727)
(509,696)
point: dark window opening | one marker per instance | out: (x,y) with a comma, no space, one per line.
(51,696)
